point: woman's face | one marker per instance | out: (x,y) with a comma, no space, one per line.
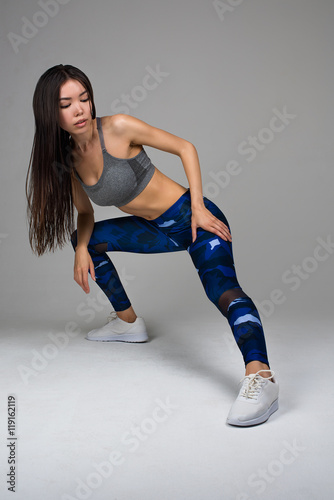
(75,110)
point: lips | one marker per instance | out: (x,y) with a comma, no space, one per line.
(80,122)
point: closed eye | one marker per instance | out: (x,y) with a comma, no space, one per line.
(82,100)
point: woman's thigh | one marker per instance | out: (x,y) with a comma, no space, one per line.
(130,234)
(213,259)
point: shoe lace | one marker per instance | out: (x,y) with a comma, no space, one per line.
(252,384)
(112,316)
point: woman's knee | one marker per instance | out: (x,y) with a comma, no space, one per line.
(97,248)
(228,297)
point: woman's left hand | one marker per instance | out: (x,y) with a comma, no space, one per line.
(202,217)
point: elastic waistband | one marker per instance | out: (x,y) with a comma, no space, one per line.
(174,210)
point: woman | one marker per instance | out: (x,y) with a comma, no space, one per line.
(76,157)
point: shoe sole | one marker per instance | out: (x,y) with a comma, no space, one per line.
(123,337)
(255,421)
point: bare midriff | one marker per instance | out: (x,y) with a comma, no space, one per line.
(160,194)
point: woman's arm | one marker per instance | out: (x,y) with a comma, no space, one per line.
(138,132)
(85,226)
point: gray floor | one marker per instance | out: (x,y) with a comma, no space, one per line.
(128,422)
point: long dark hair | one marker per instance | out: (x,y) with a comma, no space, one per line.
(50,209)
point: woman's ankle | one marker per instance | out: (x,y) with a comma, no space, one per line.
(256,366)
(128,315)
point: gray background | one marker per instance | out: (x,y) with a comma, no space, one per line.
(224,77)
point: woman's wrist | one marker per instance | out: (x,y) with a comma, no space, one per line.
(196,201)
(80,247)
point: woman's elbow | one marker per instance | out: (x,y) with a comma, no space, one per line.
(187,148)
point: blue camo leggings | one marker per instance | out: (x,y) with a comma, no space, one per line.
(211,255)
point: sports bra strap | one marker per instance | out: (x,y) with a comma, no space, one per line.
(99,128)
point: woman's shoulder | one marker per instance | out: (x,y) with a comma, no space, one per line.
(115,123)
(122,124)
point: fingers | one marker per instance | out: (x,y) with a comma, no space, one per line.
(92,270)
(218,227)
(215,226)
(223,231)
(81,277)
(203,218)
(85,285)
(82,264)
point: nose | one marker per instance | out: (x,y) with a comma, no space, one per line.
(78,109)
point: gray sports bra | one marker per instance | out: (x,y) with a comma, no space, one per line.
(122,179)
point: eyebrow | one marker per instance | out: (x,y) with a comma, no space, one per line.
(69,98)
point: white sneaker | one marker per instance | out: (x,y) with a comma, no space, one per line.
(117,330)
(256,401)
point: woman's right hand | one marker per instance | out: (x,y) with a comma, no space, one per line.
(82,263)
